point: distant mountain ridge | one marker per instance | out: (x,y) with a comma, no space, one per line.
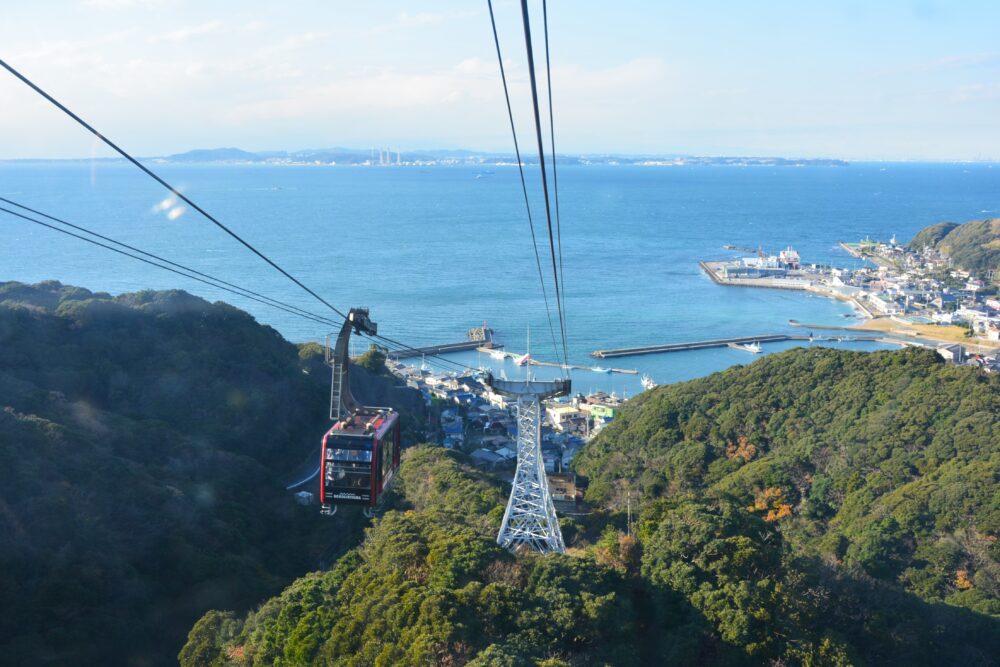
(374,156)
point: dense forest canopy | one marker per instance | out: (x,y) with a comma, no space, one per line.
(886,462)
(146,441)
(818,507)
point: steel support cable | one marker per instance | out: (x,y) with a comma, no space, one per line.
(182,270)
(166,185)
(541,158)
(524,186)
(555,176)
(174,191)
(162,266)
(271,301)
(404,346)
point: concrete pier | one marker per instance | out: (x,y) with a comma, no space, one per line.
(442,349)
(723,342)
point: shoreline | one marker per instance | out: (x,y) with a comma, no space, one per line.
(788,284)
(906,333)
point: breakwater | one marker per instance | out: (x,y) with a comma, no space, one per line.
(725,342)
(464,346)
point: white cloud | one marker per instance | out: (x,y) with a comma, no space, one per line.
(187,32)
(405,20)
(977,92)
(377,89)
(121,4)
(293,43)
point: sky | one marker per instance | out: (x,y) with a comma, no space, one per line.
(850,79)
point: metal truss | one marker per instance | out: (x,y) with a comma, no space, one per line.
(530,519)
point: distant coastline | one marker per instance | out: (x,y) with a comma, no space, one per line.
(334,157)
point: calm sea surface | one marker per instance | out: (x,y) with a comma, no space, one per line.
(434,251)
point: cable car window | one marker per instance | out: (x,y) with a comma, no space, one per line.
(348,476)
(349,455)
(388,445)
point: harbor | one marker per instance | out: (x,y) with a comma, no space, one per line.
(908,296)
(434,350)
(501,354)
(476,338)
(746,343)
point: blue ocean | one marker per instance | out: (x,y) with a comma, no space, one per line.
(434,251)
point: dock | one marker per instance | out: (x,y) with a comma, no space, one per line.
(464,346)
(752,251)
(854,249)
(804,284)
(575,367)
(694,345)
(724,342)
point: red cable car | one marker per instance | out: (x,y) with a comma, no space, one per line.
(360,453)
(360,458)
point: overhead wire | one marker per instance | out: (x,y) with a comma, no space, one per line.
(524,186)
(153,263)
(555,175)
(167,185)
(541,160)
(188,272)
(275,302)
(180,196)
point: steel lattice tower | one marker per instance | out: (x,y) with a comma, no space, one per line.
(530,519)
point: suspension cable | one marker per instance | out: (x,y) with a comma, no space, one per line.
(555,176)
(162,266)
(188,272)
(168,186)
(541,162)
(274,302)
(524,186)
(183,198)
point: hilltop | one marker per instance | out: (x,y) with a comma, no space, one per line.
(973,246)
(817,507)
(146,441)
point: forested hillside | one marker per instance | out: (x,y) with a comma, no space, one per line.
(145,443)
(818,507)
(973,246)
(885,463)
(929,236)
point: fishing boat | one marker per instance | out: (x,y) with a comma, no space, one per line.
(498,354)
(647,382)
(600,369)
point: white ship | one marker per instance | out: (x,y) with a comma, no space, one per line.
(752,348)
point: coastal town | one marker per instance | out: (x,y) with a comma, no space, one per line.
(900,296)
(468,416)
(912,297)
